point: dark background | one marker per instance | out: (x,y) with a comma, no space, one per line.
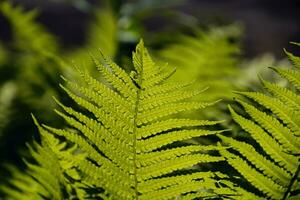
(269,25)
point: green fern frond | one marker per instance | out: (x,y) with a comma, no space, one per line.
(285,95)
(50,170)
(136,146)
(283,112)
(271,163)
(294,59)
(291,75)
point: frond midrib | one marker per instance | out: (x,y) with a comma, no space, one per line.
(134,132)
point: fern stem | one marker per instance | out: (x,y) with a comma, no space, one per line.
(140,78)
(293,180)
(134,145)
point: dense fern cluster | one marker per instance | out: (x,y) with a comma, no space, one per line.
(134,145)
(139,135)
(129,142)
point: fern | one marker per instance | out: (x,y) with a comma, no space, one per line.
(135,145)
(209,57)
(25,65)
(32,56)
(271,164)
(26,30)
(102,31)
(49,172)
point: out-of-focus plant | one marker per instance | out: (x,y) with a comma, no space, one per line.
(102,35)
(210,58)
(30,55)
(25,30)
(251,68)
(3,55)
(7,95)
(28,71)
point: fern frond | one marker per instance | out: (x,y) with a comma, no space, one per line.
(281,133)
(264,184)
(271,163)
(276,173)
(270,145)
(136,145)
(45,177)
(294,59)
(284,113)
(291,75)
(285,95)
(240,193)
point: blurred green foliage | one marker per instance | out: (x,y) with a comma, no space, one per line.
(28,78)
(210,58)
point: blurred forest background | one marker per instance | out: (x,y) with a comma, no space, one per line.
(220,44)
